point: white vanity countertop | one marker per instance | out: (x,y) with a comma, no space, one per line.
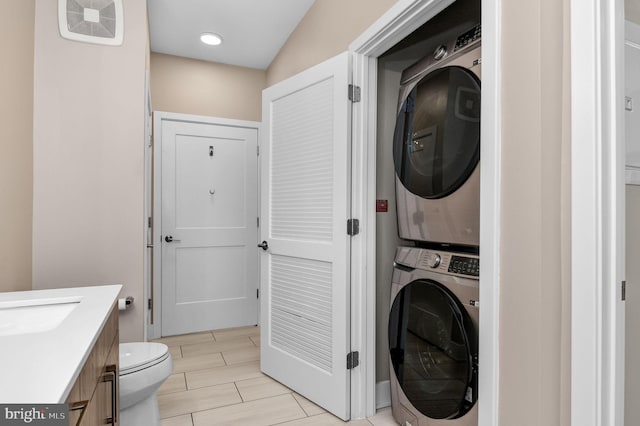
(41,367)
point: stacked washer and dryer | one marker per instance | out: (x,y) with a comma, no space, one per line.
(433,321)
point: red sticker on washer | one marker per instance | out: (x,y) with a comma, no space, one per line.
(382,206)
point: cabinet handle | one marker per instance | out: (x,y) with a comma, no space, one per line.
(80,405)
(111,375)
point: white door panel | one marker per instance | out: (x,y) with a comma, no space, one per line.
(209,208)
(304,209)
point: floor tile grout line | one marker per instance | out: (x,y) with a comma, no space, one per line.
(305,417)
(299,405)
(227,405)
(220,366)
(205,409)
(239,393)
(217,384)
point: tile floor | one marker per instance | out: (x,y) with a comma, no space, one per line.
(216,380)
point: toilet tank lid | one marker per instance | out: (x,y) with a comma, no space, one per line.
(134,355)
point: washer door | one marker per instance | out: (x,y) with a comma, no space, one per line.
(434,350)
(436,142)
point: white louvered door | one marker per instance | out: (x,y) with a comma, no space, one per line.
(305,206)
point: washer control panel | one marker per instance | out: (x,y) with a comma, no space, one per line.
(467,38)
(464,265)
(461,264)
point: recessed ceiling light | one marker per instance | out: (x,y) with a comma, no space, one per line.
(211,39)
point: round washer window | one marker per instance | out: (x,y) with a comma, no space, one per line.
(436,143)
(433,348)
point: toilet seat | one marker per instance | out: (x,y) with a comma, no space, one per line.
(141,355)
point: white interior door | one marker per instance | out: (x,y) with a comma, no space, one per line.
(305,206)
(209,226)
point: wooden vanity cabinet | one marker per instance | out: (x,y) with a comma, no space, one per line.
(94,398)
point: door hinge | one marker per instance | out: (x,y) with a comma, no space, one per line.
(149,304)
(353,360)
(258,221)
(257,293)
(624,290)
(149,222)
(354,93)
(258,150)
(353,227)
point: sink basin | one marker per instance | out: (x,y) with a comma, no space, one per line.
(35,315)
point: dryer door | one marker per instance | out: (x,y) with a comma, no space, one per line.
(434,350)
(436,143)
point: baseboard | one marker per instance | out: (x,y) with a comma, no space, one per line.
(383,394)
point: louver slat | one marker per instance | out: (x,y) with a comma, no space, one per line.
(302,165)
(301,306)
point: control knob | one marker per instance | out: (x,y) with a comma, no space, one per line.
(439,53)
(434,260)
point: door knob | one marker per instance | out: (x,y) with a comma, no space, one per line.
(170,239)
(264,246)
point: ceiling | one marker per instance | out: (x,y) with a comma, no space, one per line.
(253,31)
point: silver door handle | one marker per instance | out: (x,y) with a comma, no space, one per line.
(170,239)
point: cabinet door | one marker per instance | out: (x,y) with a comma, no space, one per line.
(107,395)
(94,398)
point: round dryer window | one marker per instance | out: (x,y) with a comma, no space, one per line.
(433,348)
(436,143)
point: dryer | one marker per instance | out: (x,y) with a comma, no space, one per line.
(433,338)
(436,147)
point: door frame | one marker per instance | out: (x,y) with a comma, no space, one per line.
(399,21)
(597,217)
(154,330)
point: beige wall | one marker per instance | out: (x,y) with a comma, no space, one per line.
(326,30)
(197,87)
(16,148)
(386,224)
(632,10)
(535,255)
(89,160)
(632,307)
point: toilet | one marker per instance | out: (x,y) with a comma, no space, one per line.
(144,366)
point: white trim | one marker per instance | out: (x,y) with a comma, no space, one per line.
(148,207)
(490,214)
(403,18)
(597,168)
(383,394)
(155,331)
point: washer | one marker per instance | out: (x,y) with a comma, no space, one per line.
(433,338)
(436,147)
